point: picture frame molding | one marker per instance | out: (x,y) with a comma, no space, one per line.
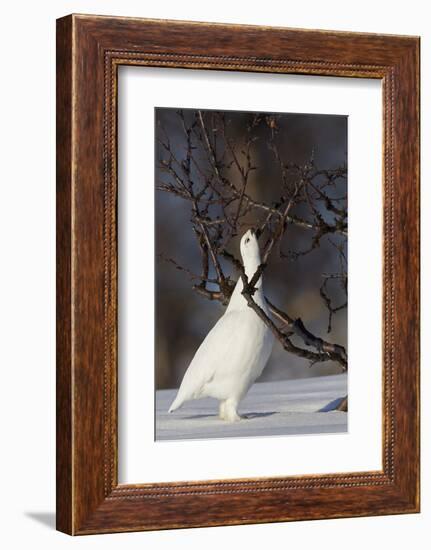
(89,51)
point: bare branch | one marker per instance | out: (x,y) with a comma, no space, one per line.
(212,173)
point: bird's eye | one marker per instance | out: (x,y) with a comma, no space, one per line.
(246,241)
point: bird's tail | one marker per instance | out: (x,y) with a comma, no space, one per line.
(176,403)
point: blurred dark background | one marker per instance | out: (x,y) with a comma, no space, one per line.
(183,318)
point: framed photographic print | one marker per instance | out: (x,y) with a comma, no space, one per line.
(237,274)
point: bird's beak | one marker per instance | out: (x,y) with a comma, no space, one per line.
(255,232)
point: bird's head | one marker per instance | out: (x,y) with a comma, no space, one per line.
(250,249)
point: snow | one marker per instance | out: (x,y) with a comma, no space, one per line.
(289,407)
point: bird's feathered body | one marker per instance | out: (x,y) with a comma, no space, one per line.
(234,352)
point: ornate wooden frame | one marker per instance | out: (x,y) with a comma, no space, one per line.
(89,51)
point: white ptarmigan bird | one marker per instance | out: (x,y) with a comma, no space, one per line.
(235,351)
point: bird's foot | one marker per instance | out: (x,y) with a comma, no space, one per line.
(228,412)
(235,417)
